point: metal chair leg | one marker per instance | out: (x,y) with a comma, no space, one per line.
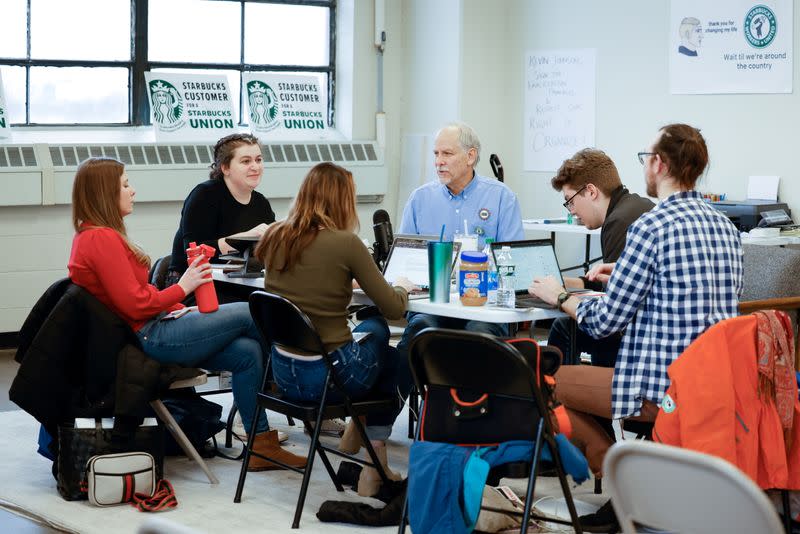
(180,437)
(246,461)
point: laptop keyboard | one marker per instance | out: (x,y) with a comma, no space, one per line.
(529,301)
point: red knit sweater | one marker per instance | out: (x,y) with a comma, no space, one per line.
(102,263)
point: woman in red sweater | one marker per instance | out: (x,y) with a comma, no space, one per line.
(113,269)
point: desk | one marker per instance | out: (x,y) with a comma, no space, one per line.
(537,225)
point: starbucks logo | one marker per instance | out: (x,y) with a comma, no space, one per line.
(167,105)
(760,26)
(263,106)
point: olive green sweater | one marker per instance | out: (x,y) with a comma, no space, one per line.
(321,284)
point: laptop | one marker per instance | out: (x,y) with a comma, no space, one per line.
(532,258)
(408,257)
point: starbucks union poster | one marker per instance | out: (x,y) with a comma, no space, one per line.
(282,106)
(735,46)
(190,107)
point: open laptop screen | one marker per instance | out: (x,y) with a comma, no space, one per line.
(409,257)
(532,258)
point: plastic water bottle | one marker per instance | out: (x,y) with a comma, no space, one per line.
(206,294)
(506,296)
(491,274)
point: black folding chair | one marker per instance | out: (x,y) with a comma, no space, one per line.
(283,324)
(480,389)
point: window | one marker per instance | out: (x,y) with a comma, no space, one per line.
(61,66)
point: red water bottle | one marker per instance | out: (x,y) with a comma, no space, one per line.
(205,294)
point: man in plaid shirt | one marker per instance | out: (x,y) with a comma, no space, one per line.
(680,273)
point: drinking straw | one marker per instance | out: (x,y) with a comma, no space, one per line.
(441,234)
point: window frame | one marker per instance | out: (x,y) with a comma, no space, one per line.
(138,103)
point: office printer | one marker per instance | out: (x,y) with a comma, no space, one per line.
(747,214)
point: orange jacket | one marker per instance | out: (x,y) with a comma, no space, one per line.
(712,406)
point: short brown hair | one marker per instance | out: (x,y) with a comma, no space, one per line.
(327,199)
(588,166)
(684,150)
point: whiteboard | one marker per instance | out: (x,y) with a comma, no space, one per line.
(559,106)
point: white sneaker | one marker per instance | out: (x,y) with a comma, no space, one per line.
(332,427)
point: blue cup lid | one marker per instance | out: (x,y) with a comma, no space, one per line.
(474,256)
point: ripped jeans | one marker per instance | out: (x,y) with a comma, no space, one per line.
(369,366)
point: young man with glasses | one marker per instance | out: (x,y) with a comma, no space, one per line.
(594,192)
(679,273)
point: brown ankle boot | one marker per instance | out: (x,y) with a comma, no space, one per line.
(369,482)
(351,440)
(266,443)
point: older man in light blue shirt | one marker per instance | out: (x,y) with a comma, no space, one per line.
(490,208)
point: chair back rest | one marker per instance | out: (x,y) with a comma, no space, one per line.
(678,490)
(158,271)
(284,324)
(478,390)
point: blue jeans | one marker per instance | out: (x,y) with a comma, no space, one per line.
(226,340)
(363,368)
(417,322)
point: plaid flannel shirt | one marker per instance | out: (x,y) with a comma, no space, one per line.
(680,273)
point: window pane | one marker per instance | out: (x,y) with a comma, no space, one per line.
(14,33)
(79,95)
(194,31)
(234,82)
(65,30)
(286,35)
(14,91)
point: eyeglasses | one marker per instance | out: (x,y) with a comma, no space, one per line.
(568,203)
(641,156)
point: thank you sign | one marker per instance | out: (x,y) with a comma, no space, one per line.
(190,107)
(281,106)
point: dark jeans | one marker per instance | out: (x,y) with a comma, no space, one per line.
(604,351)
(363,368)
(417,322)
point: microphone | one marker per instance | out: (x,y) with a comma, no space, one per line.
(497,167)
(382,227)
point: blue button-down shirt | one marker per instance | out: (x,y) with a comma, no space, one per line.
(679,274)
(490,208)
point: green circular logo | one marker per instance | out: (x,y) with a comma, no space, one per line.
(167,105)
(760,26)
(264,106)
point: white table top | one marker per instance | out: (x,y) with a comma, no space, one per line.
(770,241)
(541,226)
(452,309)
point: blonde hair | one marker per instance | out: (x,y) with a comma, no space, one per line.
(327,199)
(95,200)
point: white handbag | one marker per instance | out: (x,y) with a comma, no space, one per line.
(116,478)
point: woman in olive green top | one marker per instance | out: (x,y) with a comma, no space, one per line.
(311,259)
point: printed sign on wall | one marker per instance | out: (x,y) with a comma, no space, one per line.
(736,46)
(5,127)
(190,107)
(559,106)
(282,105)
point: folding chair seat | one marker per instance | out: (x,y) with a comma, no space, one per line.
(481,391)
(284,325)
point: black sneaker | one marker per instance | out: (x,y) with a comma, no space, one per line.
(603,520)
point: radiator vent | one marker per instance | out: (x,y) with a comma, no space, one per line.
(182,155)
(18,156)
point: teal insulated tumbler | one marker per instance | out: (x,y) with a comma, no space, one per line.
(440,263)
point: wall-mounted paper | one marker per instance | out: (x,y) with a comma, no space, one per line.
(559,106)
(763,187)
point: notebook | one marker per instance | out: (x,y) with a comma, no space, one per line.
(532,258)
(409,257)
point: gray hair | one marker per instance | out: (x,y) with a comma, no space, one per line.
(467,138)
